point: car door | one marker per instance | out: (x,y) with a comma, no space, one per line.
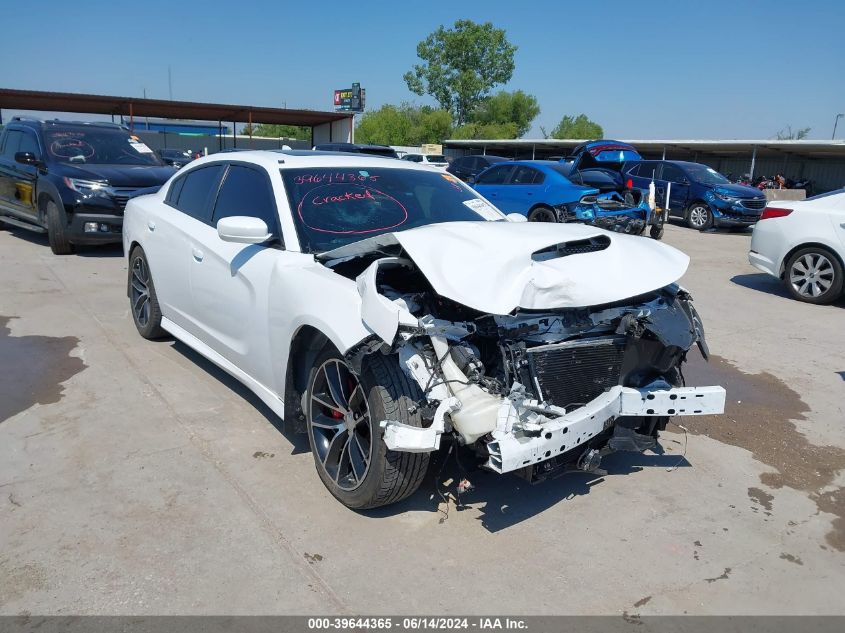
(491,184)
(230,281)
(522,190)
(25,177)
(679,191)
(168,241)
(10,190)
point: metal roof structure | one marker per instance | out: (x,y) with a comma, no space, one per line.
(803,148)
(138,107)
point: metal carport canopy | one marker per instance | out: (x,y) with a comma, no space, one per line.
(803,148)
(130,106)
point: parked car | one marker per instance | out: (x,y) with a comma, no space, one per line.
(802,243)
(466,167)
(433,160)
(72,180)
(177,158)
(540,190)
(354,148)
(599,163)
(380,306)
(700,195)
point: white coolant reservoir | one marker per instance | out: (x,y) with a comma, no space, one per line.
(477,414)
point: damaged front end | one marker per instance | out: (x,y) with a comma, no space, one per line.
(611,211)
(535,391)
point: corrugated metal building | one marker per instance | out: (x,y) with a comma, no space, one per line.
(823,162)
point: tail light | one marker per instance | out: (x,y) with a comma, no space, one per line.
(630,183)
(774,212)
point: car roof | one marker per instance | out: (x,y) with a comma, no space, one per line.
(296,158)
(42,123)
(531,163)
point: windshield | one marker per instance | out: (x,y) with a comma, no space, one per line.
(436,158)
(332,207)
(705,175)
(97,146)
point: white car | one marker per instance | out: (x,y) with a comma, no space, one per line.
(803,244)
(432,160)
(380,306)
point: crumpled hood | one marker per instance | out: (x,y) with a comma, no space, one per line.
(739,191)
(489,266)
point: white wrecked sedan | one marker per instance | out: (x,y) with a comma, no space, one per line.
(380,306)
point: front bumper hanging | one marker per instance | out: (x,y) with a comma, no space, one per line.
(510,450)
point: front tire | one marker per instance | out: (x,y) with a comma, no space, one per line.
(343,415)
(814,274)
(143,301)
(57,230)
(699,216)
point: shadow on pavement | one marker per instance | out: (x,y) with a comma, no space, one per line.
(762,282)
(502,501)
(107,250)
(299,441)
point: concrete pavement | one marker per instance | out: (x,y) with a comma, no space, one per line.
(136,478)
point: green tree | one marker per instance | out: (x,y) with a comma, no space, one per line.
(579,127)
(503,108)
(787,134)
(302,133)
(461,66)
(485,131)
(404,125)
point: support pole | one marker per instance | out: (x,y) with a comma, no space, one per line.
(753,160)
(220,136)
(250,130)
(533,150)
(131,118)
(234,134)
(664,153)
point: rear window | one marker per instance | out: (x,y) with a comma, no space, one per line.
(335,207)
(616,156)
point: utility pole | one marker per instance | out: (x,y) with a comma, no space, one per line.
(170,82)
(835,121)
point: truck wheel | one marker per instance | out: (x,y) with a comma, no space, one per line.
(57,230)
(143,301)
(656,231)
(343,416)
(813,274)
(542,214)
(699,216)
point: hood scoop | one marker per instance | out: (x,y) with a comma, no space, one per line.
(573,247)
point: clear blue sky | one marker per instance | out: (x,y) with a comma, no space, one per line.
(708,69)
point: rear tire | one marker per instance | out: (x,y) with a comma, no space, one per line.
(542,214)
(343,414)
(57,230)
(699,216)
(814,274)
(143,302)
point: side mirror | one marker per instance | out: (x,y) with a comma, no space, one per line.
(243,229)
(27,158)
(516,217)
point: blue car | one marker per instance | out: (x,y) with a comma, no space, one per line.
(540,190)
(699,194)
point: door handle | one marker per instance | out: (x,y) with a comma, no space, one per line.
(151,225)
(197,253)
